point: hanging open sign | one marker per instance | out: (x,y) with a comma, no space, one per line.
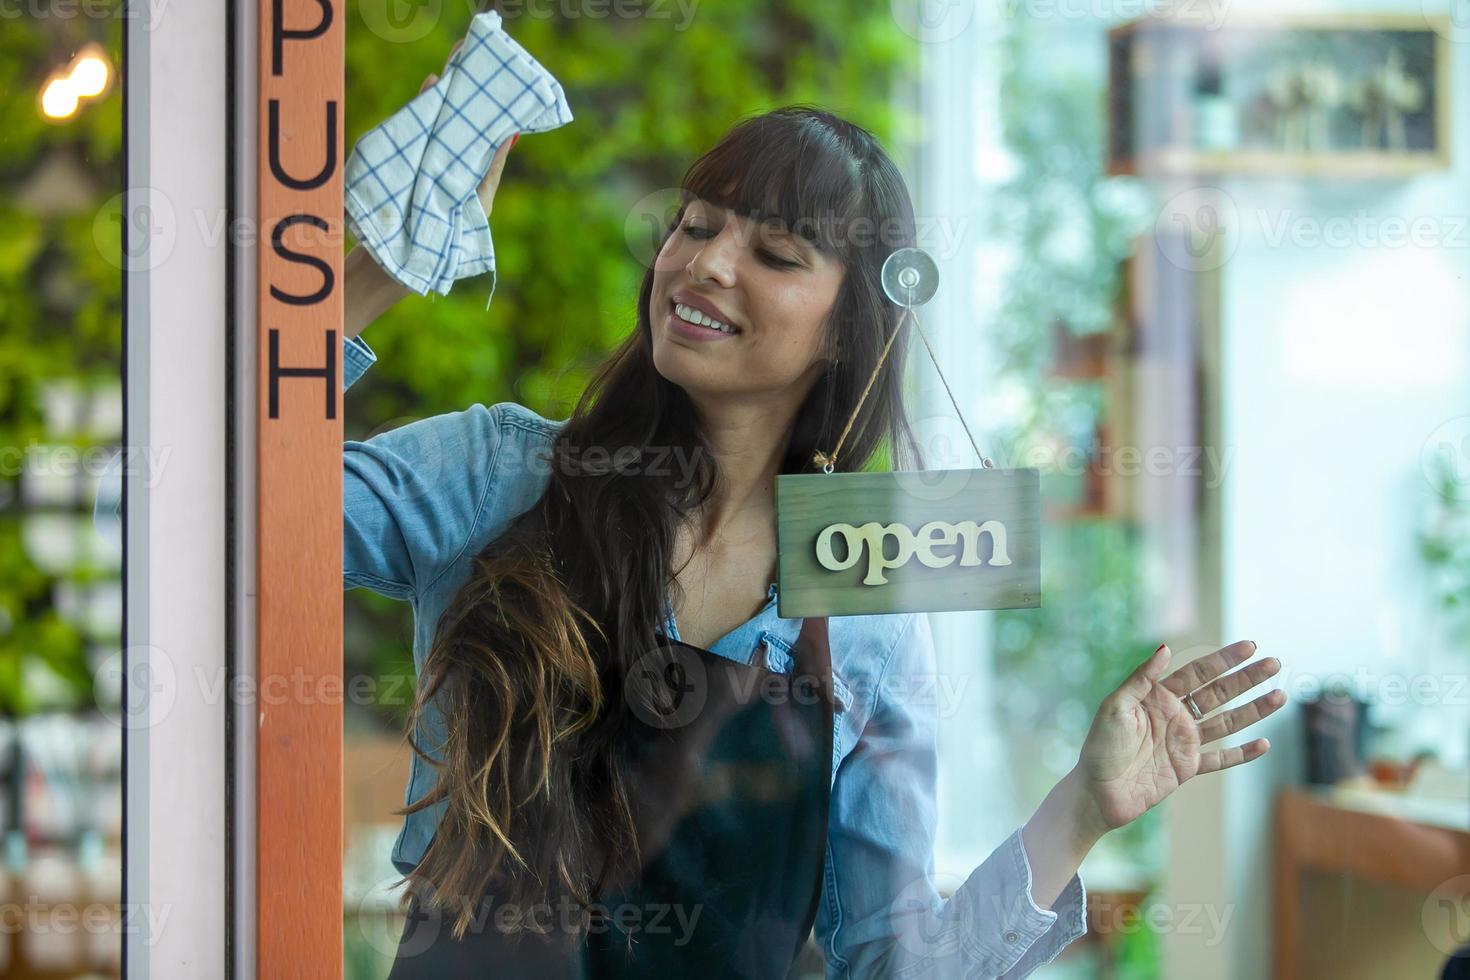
(852,544)
(855,544)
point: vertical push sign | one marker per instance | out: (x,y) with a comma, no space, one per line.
(299,766)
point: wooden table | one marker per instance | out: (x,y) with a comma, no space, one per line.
(1373,836)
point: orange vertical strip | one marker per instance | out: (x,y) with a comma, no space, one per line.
(299,511)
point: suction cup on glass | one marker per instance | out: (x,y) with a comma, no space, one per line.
(910,277)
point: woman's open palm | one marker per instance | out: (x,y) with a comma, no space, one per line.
(1145,742)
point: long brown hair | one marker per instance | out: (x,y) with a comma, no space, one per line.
(529,661)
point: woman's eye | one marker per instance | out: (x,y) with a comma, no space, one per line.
(770,258)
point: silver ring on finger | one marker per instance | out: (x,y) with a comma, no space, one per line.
(1189,702)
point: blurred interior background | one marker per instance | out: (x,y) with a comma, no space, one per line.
(1208,269)
(60,421)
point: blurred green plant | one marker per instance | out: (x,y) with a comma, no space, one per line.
(1069,226)
(648,98)
(1056,663)
(1139,956)
(60,317)
(1444,545)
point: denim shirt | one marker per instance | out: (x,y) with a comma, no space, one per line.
(421,500)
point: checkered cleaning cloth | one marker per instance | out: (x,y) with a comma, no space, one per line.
(410,182)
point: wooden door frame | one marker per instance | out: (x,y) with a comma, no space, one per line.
(297,539)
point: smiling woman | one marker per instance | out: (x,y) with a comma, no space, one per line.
(589,637)
(557,603)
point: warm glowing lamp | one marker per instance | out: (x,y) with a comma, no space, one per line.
(86,78)
(89,75)
(59,99)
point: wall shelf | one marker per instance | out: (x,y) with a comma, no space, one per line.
(1363,95)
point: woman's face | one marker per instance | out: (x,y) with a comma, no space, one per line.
(774,289)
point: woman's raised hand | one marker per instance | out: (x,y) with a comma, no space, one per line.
(1145,742)
(369,292)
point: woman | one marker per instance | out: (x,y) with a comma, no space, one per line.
(565,583)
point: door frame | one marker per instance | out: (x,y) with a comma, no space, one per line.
(204,550)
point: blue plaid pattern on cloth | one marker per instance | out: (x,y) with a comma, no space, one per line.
(410,181)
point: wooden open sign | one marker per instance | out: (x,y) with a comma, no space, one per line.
(853,544)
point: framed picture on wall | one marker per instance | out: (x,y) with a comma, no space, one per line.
(1365,95)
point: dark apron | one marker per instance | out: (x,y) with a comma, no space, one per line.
(731,786)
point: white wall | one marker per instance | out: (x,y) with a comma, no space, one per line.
(1340,359)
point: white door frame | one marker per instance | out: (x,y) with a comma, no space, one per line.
(174,759)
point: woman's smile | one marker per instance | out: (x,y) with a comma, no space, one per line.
(695,324)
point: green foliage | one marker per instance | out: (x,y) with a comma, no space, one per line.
(1444,546)
(1140,956)
(1055,664)
(1070,223)
(1069,226)
(648,98)
(60,317)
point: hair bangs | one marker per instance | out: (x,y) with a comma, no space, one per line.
(787,171)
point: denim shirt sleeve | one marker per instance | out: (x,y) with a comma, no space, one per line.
(412,496)
(357,357)
(881,914)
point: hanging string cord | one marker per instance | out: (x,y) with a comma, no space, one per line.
(828,462)
(981,456)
